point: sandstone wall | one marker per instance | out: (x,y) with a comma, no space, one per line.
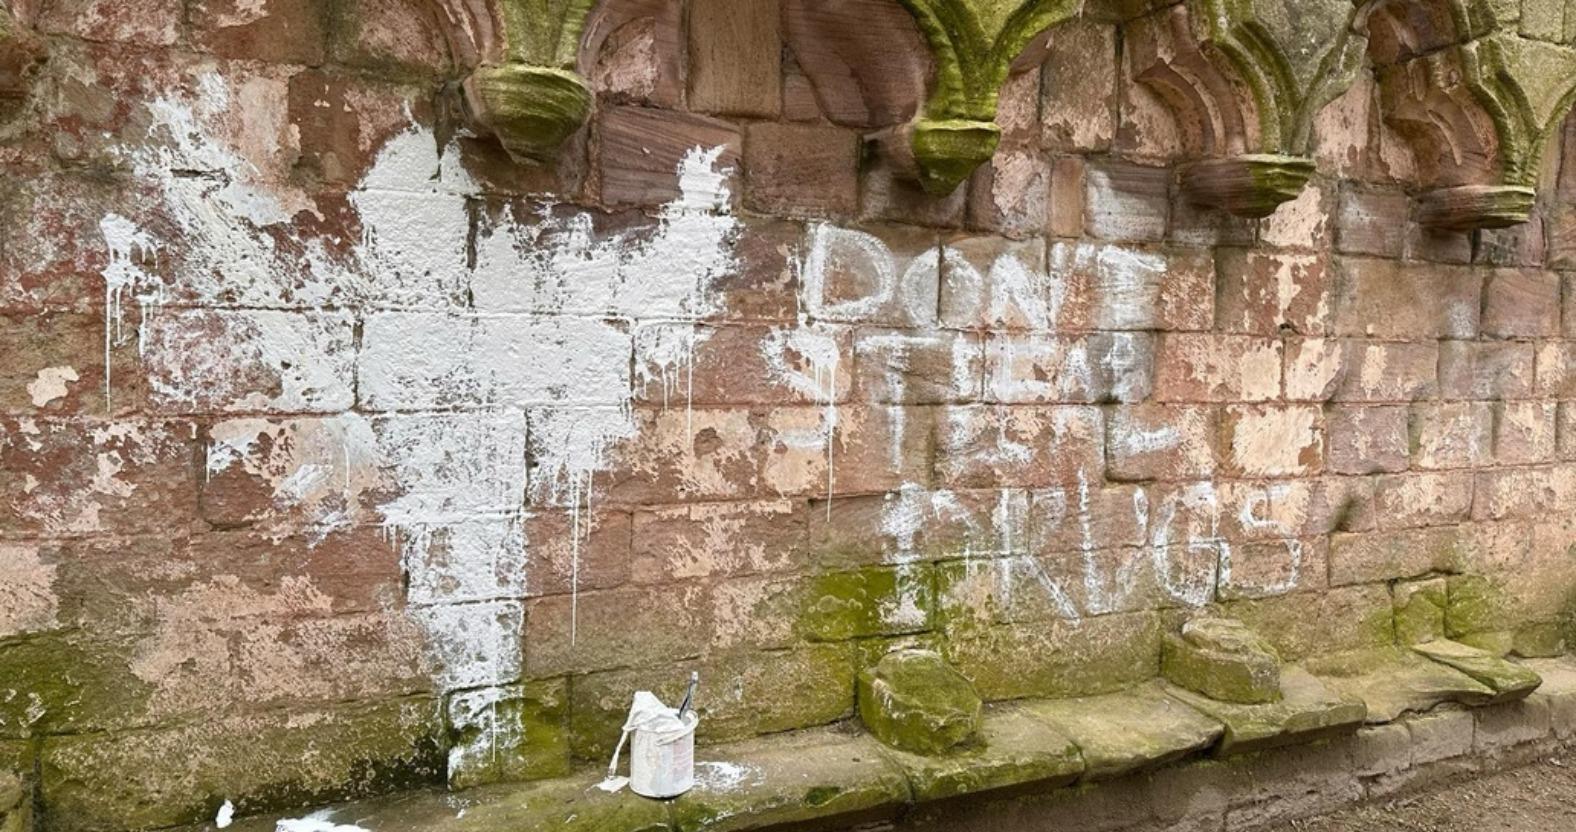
(340,451)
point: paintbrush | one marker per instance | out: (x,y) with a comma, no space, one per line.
(689,695)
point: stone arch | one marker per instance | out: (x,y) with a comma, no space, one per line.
(1245,78)
(1478,90)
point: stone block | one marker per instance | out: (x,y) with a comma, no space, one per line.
(1389,371)
(1120,733)
(1093,656)
(641,152)
(144,23)
(866,602)
(1069,188)
(1262,293)
(1508,680)
(615,628)
(274,31)
(1524,432)
(1211,368)
(1383,749)
(1160,442)
(703,540)
(735,58)
(1503,727)
(1395,681)
(1485,370)
(1306,712)
(1367,557)
(508,734)
(1368,440)
(1372,222)
(1272,440)
(1389,299)
(205,360)
(1521,303)
(1451,434)
(801,170)
(1078,103)
(1038,369)
(1420,610)
(1127,202)
(1314,368)
(1223,660)
(912,700)
(1010,193)
(1014,751)
(975,445)
(1441,735)
(909,367)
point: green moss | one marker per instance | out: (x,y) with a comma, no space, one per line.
(868,602)
(915,701)
(948,152)
(1223,660)
(512,734)
(1420,610)
(531,109)
(67,682)
(1476,604)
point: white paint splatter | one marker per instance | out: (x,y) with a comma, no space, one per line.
(316,822)
(52,383)
(226,815)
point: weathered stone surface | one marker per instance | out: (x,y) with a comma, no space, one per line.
(1222,659)
(1305,712)
(914,701)
(1013,751)
(1510,681)
(1130,731)
(1391,682)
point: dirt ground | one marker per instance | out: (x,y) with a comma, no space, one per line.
(1536,798)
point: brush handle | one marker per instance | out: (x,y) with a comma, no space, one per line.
(689,695)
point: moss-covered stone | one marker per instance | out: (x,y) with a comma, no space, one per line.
(1123,732)
(1300,625)
(531,109)
(66,682)
(1307,711)
(1248,186)
(1509,681)
(1540,641)
(793,779)
(914,701)
(1476,604)
(874,601)
(509,734)
(150,779)
(1014,751)
(1420,610)
(1392,681)
(1223,660)
(948,152)
(1060,658)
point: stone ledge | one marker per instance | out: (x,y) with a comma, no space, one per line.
(1030,755)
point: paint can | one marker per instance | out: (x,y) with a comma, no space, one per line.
(661,748)
(662,757)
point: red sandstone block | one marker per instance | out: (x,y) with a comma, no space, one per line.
(1423,499)
(377,34)
(1565,430)
(872,448)
(1532,492)
(1074,583)
(735,57)
(1078,107)
(273,31)
(1202,226)
(872,275)
(1127,202)
(259,361)
(1212,368)
(341,122)
(1018,105)
(865,59)
(801,169)
(1272,568)
(1272,440)
(1519,245)
(1303,223)
(1187,294)
(1387,555)
(1389,372)
(141,22)
(600,630)
(1521,304)
(888,194)
(641,151)
(1372,222)
(566,550)
(915,523)
(757,612)
(1485,369)
(54,364)
(765,283)
(703,540)
(1160,442)
(1342,134)
(1068,189)
(1555,375)
(1368,440)
(1388,299)
(1265,294)
(671,455)
(1037,369)
(1085,516)
(909,367)
(1010,193)
(1524,432)
(1438,245)
(73,477)
(1271,510)
(1451,434)
(982,446)
(1314,368)
(52,251)
(636,52)
(1107,287)
(682,365)
(995,283)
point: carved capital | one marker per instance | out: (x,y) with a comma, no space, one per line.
(21,53)
(1245,79)
(974,43)
(524,89)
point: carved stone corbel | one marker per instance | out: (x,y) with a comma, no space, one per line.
(974,43)
(21,53)
(1479,89)
(524,89)
(1245,79)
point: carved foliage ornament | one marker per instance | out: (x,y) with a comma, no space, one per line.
(974,43)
